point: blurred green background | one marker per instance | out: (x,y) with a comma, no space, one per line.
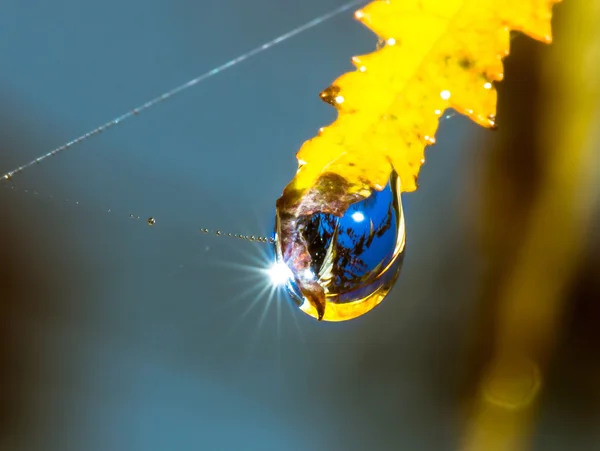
(116,335)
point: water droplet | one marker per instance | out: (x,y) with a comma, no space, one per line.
(330,95)
(151,221)
(342,265)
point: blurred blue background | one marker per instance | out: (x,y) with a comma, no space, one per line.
(123,336)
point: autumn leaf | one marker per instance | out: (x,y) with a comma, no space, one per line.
(438,54)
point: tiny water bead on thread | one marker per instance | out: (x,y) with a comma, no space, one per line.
(253,238)
(339,254)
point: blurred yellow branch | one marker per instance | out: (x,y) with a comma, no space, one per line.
(530,303)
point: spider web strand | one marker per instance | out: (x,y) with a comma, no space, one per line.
(171,93)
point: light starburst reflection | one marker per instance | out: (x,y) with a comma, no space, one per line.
(279,274)
(263,279)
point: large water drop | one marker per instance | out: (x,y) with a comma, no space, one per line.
(341,265)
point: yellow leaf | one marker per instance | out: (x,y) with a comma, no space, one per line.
(438,54)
